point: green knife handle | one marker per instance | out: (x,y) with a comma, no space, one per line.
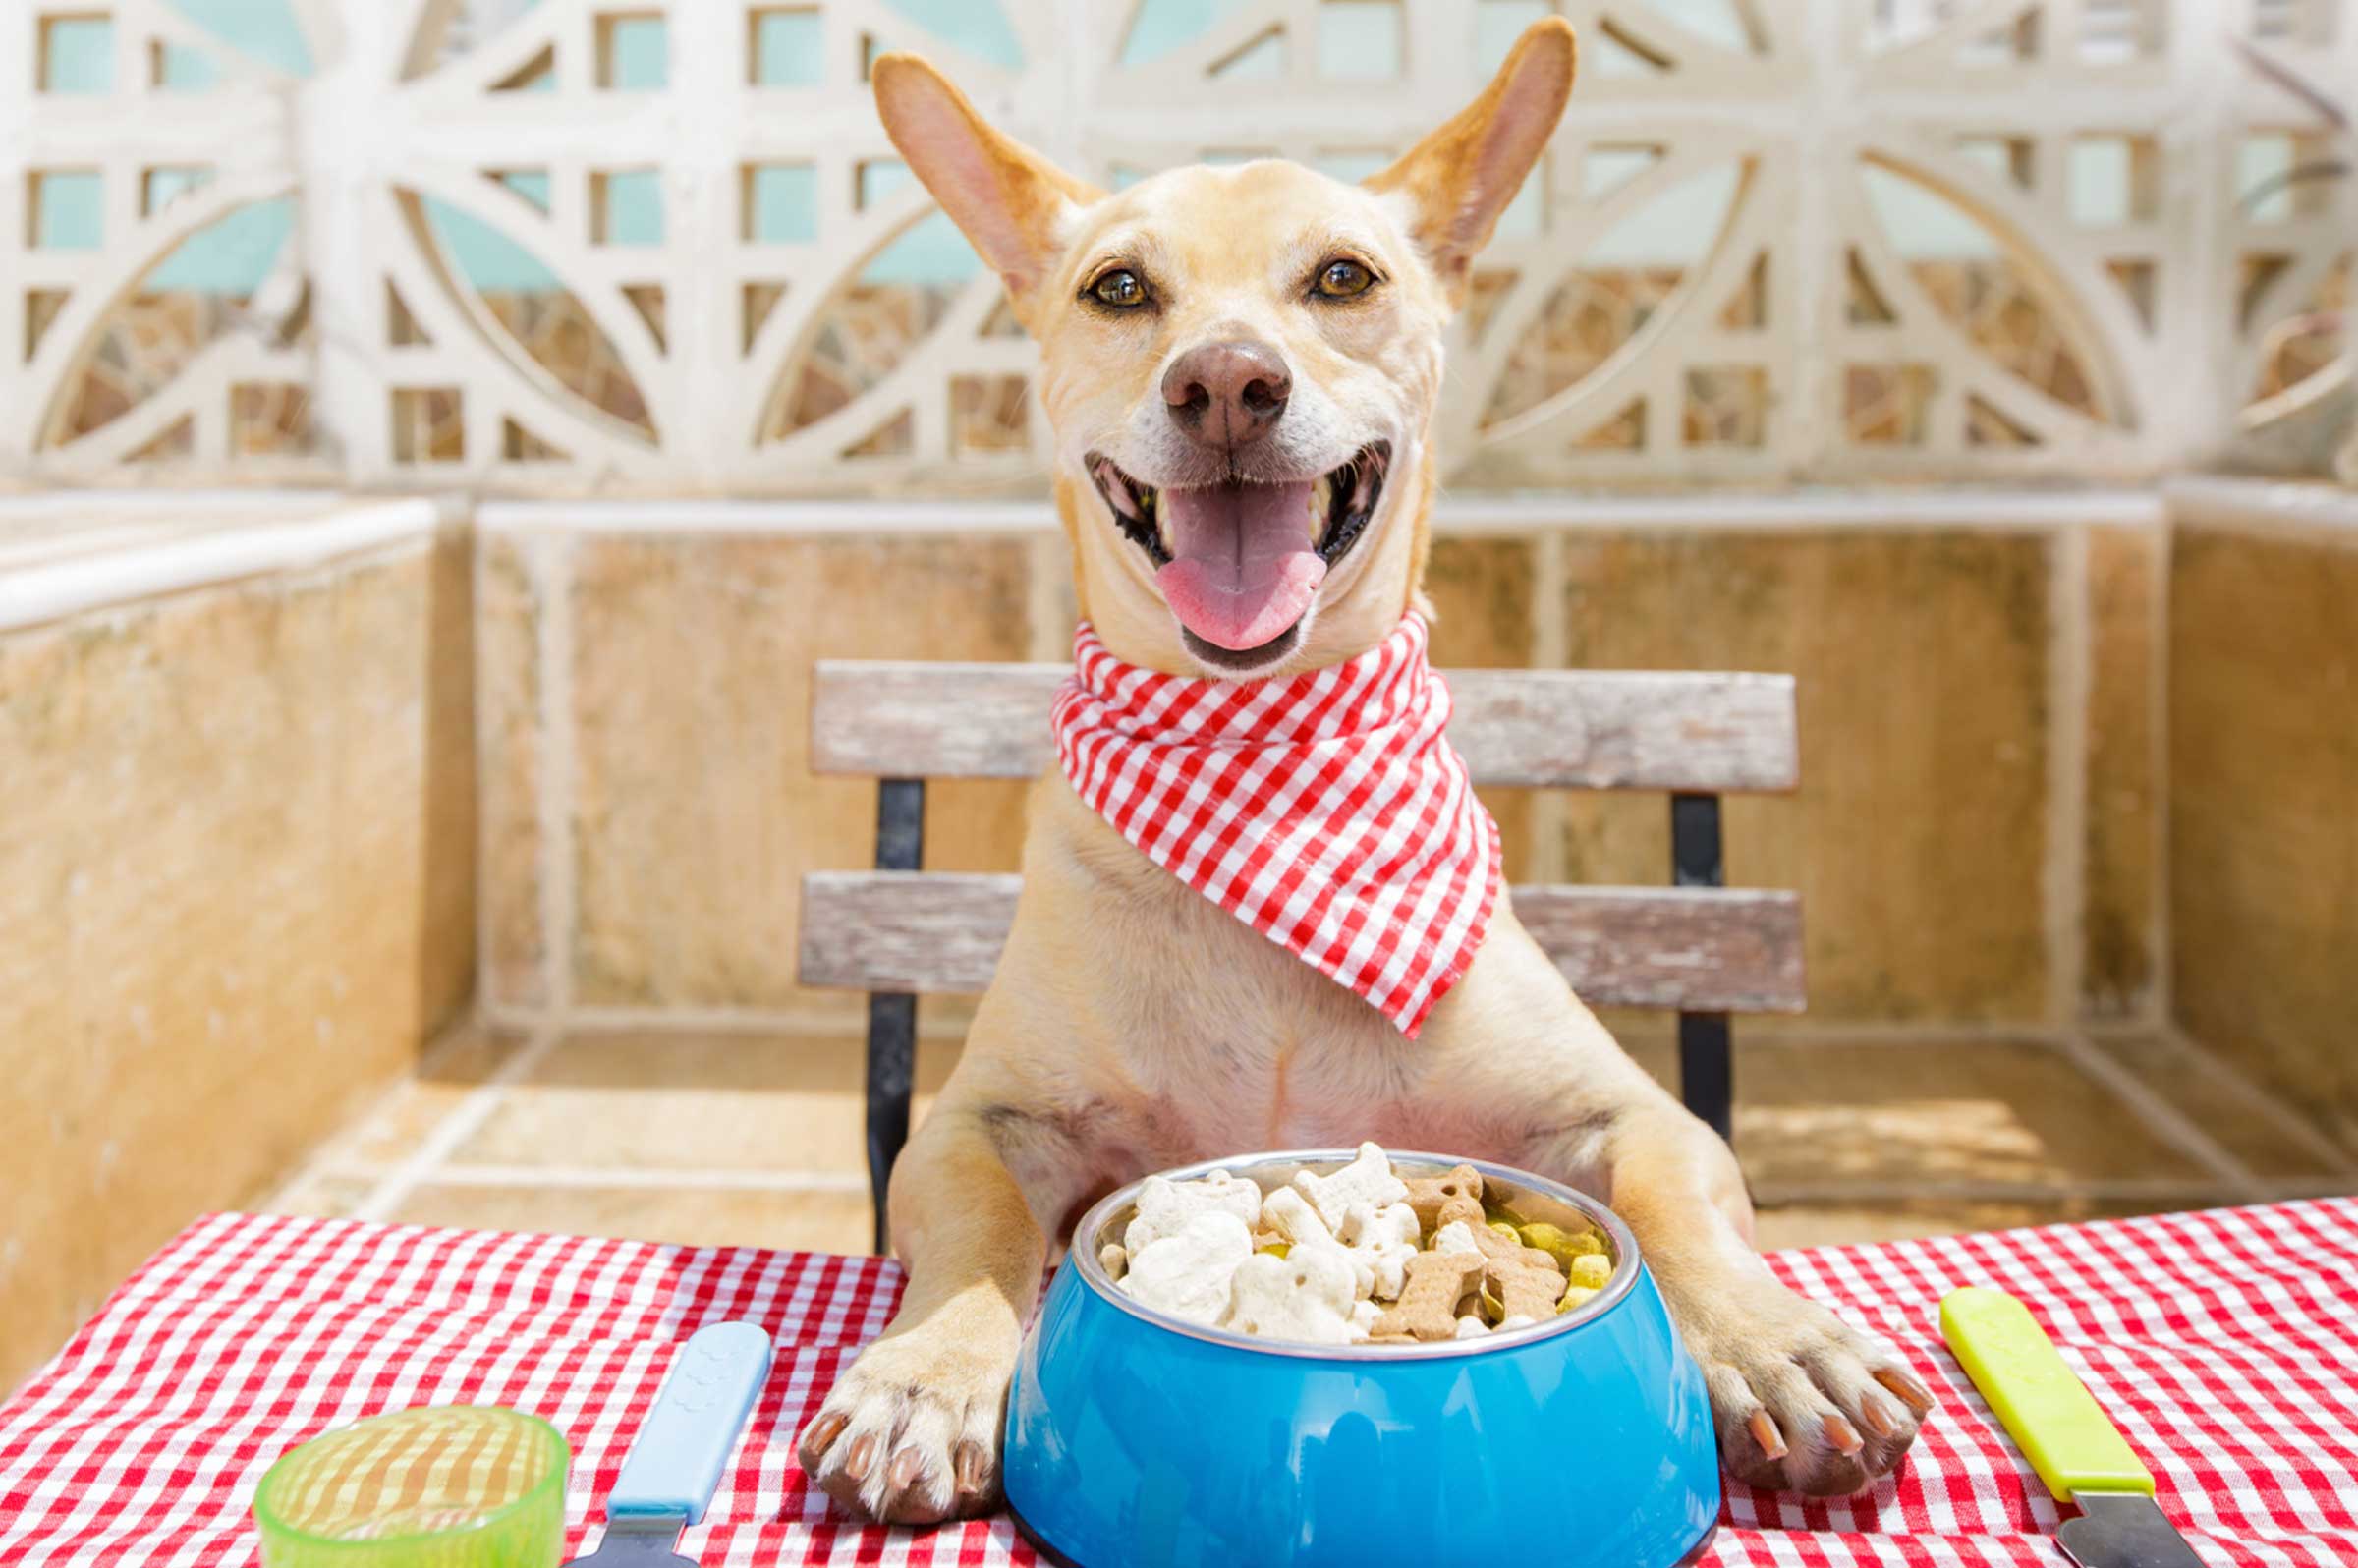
(2047,1410)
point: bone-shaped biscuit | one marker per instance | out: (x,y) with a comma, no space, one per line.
(1368,1179)
(1524,1289)
(1384,1240)
(1188,1274)
(1290,1215)
(1427,1308)
(1166,1207)
(1303,1296)
(1427,1194)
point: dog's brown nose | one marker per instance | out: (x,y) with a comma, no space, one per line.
(1225,394)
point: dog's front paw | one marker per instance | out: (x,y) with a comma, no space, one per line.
(910,1432)
(1803,1401)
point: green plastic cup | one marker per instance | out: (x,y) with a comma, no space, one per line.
(440,1486)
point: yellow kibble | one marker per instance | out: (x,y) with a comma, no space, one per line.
(1276,1250)
(1591,1270)
(1506,1229)
(1578,1296)
(1562,1244)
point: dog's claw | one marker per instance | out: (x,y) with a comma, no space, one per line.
(971,1463)
(1842,1435)
(1765,1432)
(863,1454)
(1912,1394)
(1877,1415)
(821,1433)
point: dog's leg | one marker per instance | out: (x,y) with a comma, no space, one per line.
(910,1432)
(1803,1402)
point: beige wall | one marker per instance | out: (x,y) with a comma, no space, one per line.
(237,882)
(2263,811)
(1975,835)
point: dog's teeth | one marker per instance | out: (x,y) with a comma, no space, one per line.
(1321,495)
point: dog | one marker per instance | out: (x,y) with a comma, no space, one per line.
(1210,336)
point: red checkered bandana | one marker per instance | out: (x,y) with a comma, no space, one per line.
(1326,811)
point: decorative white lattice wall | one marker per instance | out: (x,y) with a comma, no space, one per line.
(1819,237)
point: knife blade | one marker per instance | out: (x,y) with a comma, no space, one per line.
(2079,1454)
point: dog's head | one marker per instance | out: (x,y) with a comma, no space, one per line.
(1240,364)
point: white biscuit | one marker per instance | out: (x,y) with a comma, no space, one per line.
(1303,1296)
(1362,1271)
(1384,1240)
(1166,1207)
(1455,1237)
(1287,1212)
(1363,1320)
(1188,1274)
(1472,1327)
(1368,1179)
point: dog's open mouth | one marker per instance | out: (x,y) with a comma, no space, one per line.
(1239,562)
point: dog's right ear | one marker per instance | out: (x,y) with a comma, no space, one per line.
(1011,202)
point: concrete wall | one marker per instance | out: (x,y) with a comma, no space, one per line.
(2264,781)
(236,879)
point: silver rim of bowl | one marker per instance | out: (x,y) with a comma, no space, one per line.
(1626,1260)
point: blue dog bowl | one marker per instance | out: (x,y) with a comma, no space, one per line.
(1584,1441)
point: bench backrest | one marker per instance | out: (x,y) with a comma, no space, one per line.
(1695,947)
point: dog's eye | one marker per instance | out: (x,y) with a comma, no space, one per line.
(1122,289)
(1340,280)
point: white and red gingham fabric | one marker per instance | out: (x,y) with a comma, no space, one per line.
(2226,1345)
(1326,811)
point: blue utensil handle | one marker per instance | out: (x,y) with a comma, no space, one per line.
(675,1461)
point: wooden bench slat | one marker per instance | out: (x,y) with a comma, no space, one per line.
(1589,729)
(1735,950)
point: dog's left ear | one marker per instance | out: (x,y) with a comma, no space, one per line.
(1009,201)
(1460,177)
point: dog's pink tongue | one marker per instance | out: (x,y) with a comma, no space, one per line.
(1241,570)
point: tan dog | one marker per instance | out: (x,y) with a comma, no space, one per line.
(1204,328)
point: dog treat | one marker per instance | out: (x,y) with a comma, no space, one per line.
(1427,1194)
(1383,1240)
(1456,1237)
(1427,1304)
(1305,1297)
(1356,1256)
(1166,1207)
(1565,1244)
(1289,1214)
(1188,1274)
(1368,1179)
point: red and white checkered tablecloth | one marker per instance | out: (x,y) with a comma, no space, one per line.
(2226,1345)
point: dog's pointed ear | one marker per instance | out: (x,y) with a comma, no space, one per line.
(1462,176)
(1010,201)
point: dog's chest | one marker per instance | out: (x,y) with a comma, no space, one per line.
(1232,1038)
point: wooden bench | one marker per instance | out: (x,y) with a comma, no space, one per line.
(1695,947)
